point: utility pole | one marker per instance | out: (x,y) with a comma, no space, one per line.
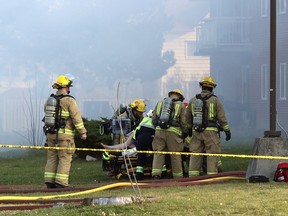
(272,143)
(272,132)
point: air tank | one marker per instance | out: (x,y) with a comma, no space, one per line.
(198,113)
(50,112)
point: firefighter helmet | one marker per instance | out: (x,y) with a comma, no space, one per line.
(177,91)
(138,105)
(62,82)
(208,82)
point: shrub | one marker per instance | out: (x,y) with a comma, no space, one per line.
(93,139)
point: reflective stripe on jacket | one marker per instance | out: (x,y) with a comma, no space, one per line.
(215,112)
(178,119)
(72,115)
(146,122)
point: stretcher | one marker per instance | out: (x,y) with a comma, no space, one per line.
(115,165)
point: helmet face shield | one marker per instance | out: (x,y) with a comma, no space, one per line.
(71,77)
(70,84)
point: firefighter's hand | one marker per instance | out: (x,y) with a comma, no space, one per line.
(184,135)
(83,136)
(228,135)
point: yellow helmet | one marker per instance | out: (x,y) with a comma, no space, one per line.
(177,91)
(62,82)
(208,82)
(139,105)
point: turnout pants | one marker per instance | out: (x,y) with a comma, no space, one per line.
(144,143)
(206,141)
(167,141)
(59,161)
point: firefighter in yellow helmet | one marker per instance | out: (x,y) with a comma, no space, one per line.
(133,112)
(62,117)
(205,117)
(169,120)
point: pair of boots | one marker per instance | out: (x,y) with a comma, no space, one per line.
(55,185)
(166,174)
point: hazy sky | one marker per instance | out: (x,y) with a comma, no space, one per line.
(100,42)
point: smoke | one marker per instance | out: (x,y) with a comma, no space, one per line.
(149,47)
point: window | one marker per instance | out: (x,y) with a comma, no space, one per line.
(190,48)
(282,5)
(283,80)
(264,8)
(244,100)
(264,82)
(244,81)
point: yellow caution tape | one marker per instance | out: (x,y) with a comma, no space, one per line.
(149,152)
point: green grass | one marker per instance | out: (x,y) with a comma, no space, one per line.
(29,169)
(232,164)
(236,197)
(233,198)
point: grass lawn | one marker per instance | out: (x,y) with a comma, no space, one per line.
(237,197)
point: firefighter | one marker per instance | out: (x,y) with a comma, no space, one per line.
(140,139)
(143,137)
(59,161)
(205,116)
(169,120)
(133,112)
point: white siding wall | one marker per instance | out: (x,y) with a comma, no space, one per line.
(188,70)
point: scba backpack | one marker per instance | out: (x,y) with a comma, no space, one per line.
(200,118)
(281,173)
(53,120)
(166,113)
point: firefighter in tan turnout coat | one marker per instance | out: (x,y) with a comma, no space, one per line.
(168,135)
(206,116)
(67,118)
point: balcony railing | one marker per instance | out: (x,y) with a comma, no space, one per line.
(218,32)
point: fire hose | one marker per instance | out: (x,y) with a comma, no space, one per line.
(181,182)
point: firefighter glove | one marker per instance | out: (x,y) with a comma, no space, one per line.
(190,133)
(228,135)
(83,136)
(184,135)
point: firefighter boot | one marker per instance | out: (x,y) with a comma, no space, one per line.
(156,177)
(139,176)
(139,173)
(50,185)
(62,186)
